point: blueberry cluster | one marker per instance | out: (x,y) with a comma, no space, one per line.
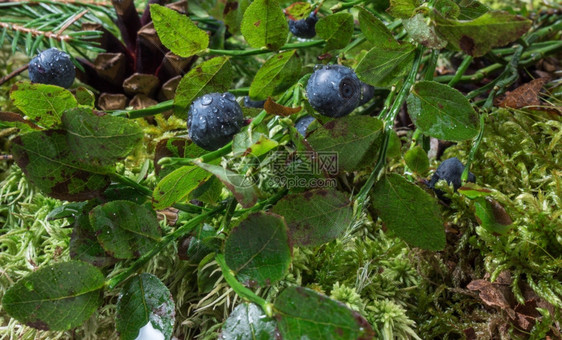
(213,119)
(52,67)
(335,90)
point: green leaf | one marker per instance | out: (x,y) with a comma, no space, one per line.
(56,297)
(42,104)
(353,141)
(417,160)
(298,10)
(207,274)
(85,97)
(233,14)
(144,299)
(252,143)
(264,25)
(375,30)
(411,213)
(403,9)
(177,32)
(387,65)
(336,29)
(55,168)
(214,75)
(302,313)
(257,250)
(492,216)
(175,147)
(471,9)
(248,321)
(477,37)
(84,245)
(100,140)
(276,75)
(125,229)
(11,119)
(442,112)
(473,190)
(245,192)
(447,8)
(177,186)
(316,216)
(421,32)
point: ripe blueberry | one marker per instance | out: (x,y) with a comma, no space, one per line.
(449,170)
(253,103)
(52,67)
(302,124)
(213,119)
(334,90)
(304,28)
(367,93)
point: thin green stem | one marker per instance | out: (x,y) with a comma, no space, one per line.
(164,242)
(240,289)
(345,5)
(431,65)
(255,51)
(474,148)
(461,70)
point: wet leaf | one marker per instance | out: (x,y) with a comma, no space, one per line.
(336,29)
(347,143)
(276,75)
(279,110)
(478,36)
(156,306)
(442,112)
(303,313)
(214,75)
(177,32)
(55,168)
(248,321)
(42,104)
(411,213)
(245,192)
(177,186)
(125,229)
(257,250)
(264,25)
(316,216)
(387,65)
(56,297)
(252,143)
(100,140)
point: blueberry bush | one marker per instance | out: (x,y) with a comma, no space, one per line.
(274,169)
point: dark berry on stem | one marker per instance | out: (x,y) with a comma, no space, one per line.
(253,103)
(213,119)
(367,93)
(449,170)
(52,67)
(302,124)
(334,90)
(304,28)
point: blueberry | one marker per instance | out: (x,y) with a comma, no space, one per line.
(253,103)
(449,170)
(304,28)
(302,124)
(213,119)
(334,90)
(52,67)
(367,93)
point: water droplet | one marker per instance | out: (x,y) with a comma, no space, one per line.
(229,96)
(206,100)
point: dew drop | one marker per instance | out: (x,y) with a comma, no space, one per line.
(206,100)
(229,96)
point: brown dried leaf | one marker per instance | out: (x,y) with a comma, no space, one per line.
(525,95)
(279,110)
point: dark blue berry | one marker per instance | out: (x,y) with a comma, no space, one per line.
(52,67)
(253,103)
(302,124)
(449,170)
(334,90)
(304,28)
(213,119)
(367,93)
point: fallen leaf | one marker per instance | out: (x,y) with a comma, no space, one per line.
(273,108)
(525,95)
